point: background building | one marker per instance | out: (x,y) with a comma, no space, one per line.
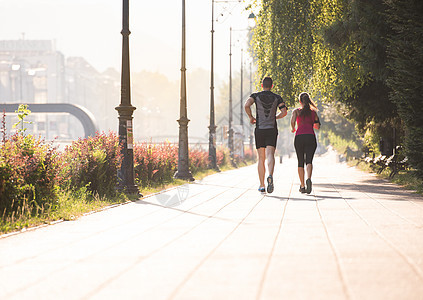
(33,71)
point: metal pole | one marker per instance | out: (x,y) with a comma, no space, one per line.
(230,131)
(126,174)
(212,126)
(183,171)
(251,91)
(241,112)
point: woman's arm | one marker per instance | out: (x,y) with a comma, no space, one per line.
(293,120)
(316,121)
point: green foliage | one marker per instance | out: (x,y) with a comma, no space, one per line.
(281,38)
(22,112)
(28,173)
(364,54)
(406,77)
(154,164)
(92,163)
(358,40)
(338,131)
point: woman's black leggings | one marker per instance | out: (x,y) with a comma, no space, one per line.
(305,146)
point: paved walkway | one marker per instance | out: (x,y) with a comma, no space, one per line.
(354,237)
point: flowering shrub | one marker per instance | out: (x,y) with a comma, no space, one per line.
(222,156)
(249,155)
(198,160)
(92,162)
(33,172)
(155,163)
(28,173)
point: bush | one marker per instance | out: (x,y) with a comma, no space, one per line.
(155,164)
(28,173)
(92,163)
(198,160)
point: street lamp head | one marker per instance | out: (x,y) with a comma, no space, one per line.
(252,20)
(16,67)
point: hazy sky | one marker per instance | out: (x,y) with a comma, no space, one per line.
(91,29)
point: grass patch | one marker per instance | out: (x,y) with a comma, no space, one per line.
(69,206)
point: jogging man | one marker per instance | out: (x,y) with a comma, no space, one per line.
(266,131)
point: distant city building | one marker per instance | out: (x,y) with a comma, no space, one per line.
(33,71)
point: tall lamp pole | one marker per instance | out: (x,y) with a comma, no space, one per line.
(230,129)
(183,171)
(241,113)
(251,91)
(212,126)
(126,175)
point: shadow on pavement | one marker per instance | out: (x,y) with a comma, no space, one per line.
(374,187)
(310,197)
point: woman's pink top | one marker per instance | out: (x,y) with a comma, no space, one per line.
(305,123)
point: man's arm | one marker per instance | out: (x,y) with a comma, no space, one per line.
(283,111)
(247,107)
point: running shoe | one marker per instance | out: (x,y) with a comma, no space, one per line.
(261,189)
(302,189)
(270,186)
(308,184)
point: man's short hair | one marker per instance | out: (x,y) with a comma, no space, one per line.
(267,82)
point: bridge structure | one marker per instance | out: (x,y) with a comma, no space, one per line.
(86,118)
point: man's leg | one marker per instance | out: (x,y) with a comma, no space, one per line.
(261,153)
(270,156)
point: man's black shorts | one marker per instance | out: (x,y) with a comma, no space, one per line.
(266,137)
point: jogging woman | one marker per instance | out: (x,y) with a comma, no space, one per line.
(305,142)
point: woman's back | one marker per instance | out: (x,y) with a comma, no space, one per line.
(305,123)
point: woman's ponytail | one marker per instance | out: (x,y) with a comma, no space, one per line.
(307,102)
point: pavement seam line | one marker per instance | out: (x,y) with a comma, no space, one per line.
(198,266)
(92,254)
(140,260)
(389,209)
(407,259)
(269,258)
(113,227)
(97,232)
(335,252)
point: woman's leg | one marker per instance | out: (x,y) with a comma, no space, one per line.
(301,175)
(299,149)
(310,148)
(309,170)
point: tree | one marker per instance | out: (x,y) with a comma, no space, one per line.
(406,73)
(336,50)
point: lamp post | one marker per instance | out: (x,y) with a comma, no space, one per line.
(183,171)
(125,174)
(241,112)
(251,91)
(212,126)
(230,129)
(251,21)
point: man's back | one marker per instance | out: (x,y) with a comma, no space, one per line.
(267,103)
